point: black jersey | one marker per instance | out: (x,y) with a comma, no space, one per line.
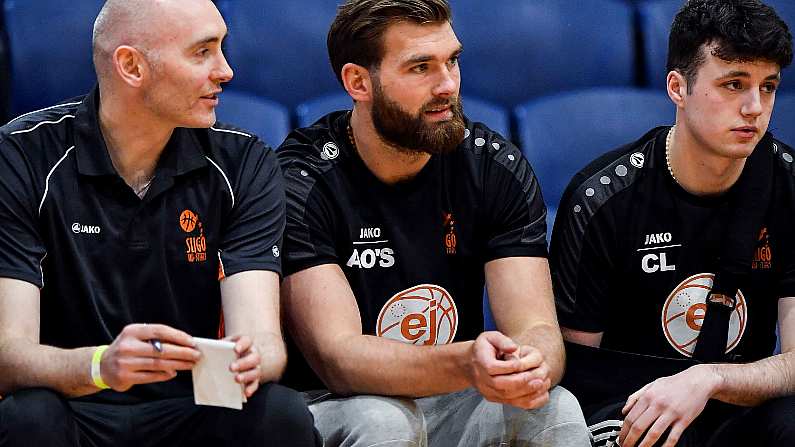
(633,255)
(104,257)
(413,252)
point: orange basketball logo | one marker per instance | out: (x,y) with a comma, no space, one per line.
(187,221)
(683,314)
(424,314)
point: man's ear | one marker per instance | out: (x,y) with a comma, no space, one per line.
(677,87)
(357,82)
(130,65)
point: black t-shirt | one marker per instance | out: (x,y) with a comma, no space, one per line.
(413,252)
(633,255)
(105,258)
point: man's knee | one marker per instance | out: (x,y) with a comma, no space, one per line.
(560,422)
(367,420)
(277,413)
(35,415)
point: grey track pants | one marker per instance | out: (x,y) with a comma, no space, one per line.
(462,419)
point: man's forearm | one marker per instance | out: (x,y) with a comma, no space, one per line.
(753,383)
(374,365)
(547,339)
(25,365)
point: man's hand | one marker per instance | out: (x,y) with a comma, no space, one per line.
(505,372)
(131,359)
(247,366)
(673,401)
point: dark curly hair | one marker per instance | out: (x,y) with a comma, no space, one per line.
(741,31)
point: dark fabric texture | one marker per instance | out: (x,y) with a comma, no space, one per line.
(274,416)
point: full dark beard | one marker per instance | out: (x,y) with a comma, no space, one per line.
(411,133)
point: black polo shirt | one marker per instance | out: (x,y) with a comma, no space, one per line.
(413,252)
(105,258)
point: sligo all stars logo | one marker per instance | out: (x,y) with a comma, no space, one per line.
(683,314)
(425,314)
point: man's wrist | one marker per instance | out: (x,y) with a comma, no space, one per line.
(713,379)
(96,362)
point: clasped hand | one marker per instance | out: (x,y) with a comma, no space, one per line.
(503,371)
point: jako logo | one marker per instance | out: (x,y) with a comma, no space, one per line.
(683,314)
(86,229)
(423,314)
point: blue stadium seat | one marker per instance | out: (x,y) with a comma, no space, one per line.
(781,124)
(515,50)
(562,133)
(656,17)
(5,88)
(277,48)
(49,44)
(493,116)
(268,120)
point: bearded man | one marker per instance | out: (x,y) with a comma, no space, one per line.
(398,212)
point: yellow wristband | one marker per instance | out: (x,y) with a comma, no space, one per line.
(96,376)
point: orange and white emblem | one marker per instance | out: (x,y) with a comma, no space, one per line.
(684,309)
(423,314)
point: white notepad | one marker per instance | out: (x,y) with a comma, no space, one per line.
(213,382)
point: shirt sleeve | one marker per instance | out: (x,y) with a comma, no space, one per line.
(581,263)
(515,209)
(310,221)
(22,249)
(253,230)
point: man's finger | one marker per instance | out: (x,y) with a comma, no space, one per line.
(500,341)
(161,332)
(676,433)
(633,398)
(167,351)
(144,377)
(251,388)
(634,428)
(530,402)
(250,361)
(656,430)
(533,358)
(251,375)
(154,364)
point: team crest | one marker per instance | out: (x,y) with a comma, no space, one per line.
(330,151)
(683,314)
(420,315)
(450,238)
(763,256)
(637,159)
(195,244)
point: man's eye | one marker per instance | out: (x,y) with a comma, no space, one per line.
(769,87)
(420,68)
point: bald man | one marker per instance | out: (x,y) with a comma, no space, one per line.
(130,223)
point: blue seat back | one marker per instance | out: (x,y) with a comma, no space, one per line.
(781,123)
(561,134)
(266,119)
(515,50)
(277,48)
(49,45)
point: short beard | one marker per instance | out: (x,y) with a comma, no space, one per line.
(411,133)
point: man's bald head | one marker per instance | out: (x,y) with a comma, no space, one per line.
(142,24)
